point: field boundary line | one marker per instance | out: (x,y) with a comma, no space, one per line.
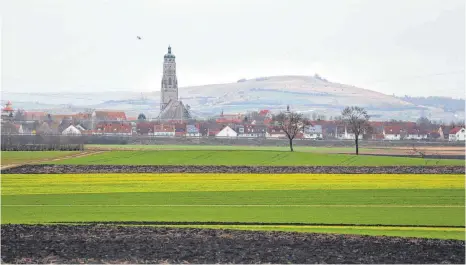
(233,205)
(79,155)
(243,223)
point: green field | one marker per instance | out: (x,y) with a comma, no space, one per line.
(435,203)
(276,158)
(224,147)
(14,157)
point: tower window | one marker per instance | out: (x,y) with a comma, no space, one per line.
(169,81)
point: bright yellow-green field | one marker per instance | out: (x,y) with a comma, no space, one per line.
(319,202)
(16,184)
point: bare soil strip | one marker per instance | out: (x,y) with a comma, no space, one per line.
(128,244)
(81,154)
(83,169)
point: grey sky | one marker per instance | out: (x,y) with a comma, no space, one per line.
(413,47)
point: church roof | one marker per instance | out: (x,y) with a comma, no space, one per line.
(175,110)
(169,54)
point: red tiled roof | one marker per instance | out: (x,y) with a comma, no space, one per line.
(416,131)
(164,128)
(8,107)
(264,112)
(111,115)
(37,113)
(455,130)
(393,129)
(34,114)
(104,127)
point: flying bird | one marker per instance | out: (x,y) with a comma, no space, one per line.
(139,38)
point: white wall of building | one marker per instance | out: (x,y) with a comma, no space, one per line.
(71,130)
(227,132)
(416,136)
(458,136)
(392,136)
(461,135)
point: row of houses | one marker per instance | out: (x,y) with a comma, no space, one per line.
(257,125)
(212,129)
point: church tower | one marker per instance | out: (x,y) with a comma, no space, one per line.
(169,81)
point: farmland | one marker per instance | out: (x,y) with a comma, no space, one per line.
(244,195)
(400,200)
(12,157)
(243,157)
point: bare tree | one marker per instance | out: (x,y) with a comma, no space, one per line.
(20,115)
(291,123)
(357,119)
(418,152)
(141,117)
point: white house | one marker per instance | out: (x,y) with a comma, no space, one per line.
(163,130)
(346,134)
(79,127)
(71,130)
(415,134)
(275,132)
(251,131)
(192,131)
(457,134)
(227,132)
(392,132)
(312,132)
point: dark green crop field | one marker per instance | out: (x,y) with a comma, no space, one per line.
(276,158)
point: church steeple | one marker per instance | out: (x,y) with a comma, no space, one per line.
(171,108)
(169,53)
(169,88)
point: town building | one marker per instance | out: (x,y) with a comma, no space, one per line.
(416,134)
(457,134)
(393,132)
(166,130)
(313,132)
(192,131)
(71,130)
(227,132)
(7,111)
(171,108)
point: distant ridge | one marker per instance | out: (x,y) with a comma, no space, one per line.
(308,94)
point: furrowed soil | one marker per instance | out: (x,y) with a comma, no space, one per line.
(129,244)
(81,169)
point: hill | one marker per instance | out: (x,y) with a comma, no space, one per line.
(308,94)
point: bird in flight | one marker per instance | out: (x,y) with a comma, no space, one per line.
(139,38)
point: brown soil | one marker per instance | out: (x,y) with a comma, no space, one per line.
(80,154)
(115,244)
(429,150)
(81,169)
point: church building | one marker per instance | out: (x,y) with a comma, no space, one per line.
(171,108)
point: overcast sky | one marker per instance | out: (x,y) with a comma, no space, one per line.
(414,47)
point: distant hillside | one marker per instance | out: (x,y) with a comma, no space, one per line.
(306,94)
(445,103)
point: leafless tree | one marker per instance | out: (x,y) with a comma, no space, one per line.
(418,152)
(291,123)
(357,119)
(20,115)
